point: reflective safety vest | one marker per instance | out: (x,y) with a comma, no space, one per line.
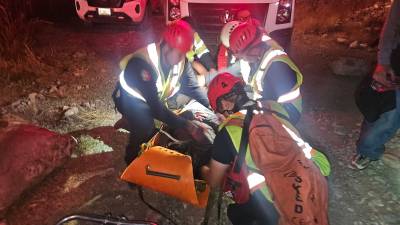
(199,48)
(167,84)
(276,54)
(234,123)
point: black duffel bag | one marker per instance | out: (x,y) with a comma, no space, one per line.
(372,103)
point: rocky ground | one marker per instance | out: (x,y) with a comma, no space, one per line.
(77,71)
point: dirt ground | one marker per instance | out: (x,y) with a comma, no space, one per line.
(80,67)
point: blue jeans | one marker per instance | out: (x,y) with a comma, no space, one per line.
(373,136)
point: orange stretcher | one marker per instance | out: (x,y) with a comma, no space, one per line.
(167,171)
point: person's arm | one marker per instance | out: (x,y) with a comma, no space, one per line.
(390,36)
(142,80)
(190,85)
(207,61)
(223,154)
(202,52)
(278,80)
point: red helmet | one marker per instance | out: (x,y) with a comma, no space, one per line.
(179,35)
(242,37)
(221,85)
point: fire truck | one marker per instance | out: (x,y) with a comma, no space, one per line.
(210,15)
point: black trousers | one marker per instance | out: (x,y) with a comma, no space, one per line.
(257,211)
(141,126)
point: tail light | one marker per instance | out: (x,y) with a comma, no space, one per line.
(284,14)
(174,10)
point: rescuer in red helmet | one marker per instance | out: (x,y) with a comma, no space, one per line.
(273,161)
(155,79)
(273,75)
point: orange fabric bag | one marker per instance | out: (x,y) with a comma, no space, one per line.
(299,191)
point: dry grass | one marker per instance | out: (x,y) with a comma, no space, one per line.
(94,118)
(16,55)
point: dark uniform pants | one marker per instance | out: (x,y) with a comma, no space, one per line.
(141,126)
(257,211)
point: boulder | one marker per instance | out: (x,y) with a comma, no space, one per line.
(28,154)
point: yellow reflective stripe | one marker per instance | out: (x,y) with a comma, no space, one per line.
(255,179)
(245,69)
(300,142)
(190,55)
(290,63)
(235,133)
(154,57)
(265,38)
(197,40)
(124,62)
(201,51)
(269,56)
(289,96)
(128,89)
(199,48)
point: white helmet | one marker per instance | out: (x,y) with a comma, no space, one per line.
(226,32)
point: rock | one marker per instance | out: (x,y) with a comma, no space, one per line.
(40,97)
(53,88)
(79,87)
(364,45)
(341,40)
(39,152)
(347,66)
(324,36)
(58,83)
(16,104)
(77,73)
(32,101)
(118,197)
(3,111)
(71,111)
(86,104)
(79,54)
(391,160)
(353,44)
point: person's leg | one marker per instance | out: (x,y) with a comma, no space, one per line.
(264,210)
(374,135)
(238,214)
(141,127)
(258,210)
